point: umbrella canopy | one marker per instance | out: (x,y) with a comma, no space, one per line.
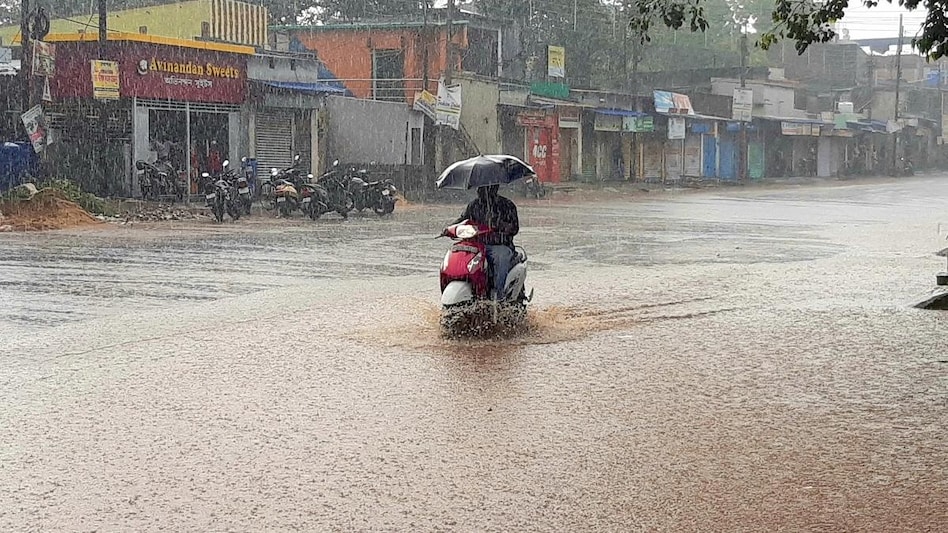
(482,171)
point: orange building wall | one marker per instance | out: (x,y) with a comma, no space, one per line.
(348,54)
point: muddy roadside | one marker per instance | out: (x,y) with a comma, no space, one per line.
(50,209)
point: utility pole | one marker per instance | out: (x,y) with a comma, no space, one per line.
(424,48)
(898,80)
(103,28)
(742,164)
(26,66)
(443,141)
(449,48)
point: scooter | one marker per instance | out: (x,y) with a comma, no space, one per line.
(241,184)
(286,197)
(380,196)
(466,300)
(220,196)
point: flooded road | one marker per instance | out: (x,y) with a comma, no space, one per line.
(714,361)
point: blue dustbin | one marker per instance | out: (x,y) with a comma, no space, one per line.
(17,162)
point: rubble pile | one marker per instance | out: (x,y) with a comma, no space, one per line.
(47,209)
(157,213)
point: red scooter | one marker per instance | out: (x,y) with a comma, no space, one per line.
(466,288)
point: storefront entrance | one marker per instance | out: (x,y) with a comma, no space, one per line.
(194,137)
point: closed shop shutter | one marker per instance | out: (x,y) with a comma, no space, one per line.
(673,160)
(653,160)
(693,155)
(273,138)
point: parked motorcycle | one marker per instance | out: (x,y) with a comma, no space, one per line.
(314,200)
(467,306)
(286,197)
(220,196)
(533,187)
(336,185)
(241,185)
(157,179)
(279,190)
(377,195)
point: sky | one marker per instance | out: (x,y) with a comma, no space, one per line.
(880,21)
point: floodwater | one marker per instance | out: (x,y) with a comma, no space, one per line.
(715,361)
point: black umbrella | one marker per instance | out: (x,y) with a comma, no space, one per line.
(482,171)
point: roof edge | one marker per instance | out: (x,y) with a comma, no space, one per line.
(152,39)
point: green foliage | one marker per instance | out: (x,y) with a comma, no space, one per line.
(74,193)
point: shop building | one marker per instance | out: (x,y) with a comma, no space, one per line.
(176,97)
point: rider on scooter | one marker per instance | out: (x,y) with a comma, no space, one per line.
(500,215)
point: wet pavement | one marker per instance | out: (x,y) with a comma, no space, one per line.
(732,360)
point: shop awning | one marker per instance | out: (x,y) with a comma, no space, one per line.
(871,126)
(694,116)
(792,120)
(611,112)
(304,87)
(553,102)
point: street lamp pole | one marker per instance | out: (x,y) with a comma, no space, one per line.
(742,165)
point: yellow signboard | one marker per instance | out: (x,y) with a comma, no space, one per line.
(105,80)
(556,61)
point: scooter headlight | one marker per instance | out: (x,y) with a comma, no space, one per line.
(472,264)
(466,232)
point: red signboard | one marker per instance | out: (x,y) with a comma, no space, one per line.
(544,152)
(158,71)
(535,118)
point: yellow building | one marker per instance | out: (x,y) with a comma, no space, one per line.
(219,20)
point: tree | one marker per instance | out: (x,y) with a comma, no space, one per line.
(9,13)
(803,21)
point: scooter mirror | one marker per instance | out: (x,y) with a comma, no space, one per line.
(310,176)
(274,171)
(243,159)
(226,163)
(296,157)
(205,175)
(335,163)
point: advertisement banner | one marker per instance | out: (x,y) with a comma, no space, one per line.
(448,109)
(638,124)
(676,128)
(44,59)
(742,106)
(105,80)
(34,122)
(534,118)
(569,117)
(607,123)
(426,103)
(556,61)
(669,102)
(795,129)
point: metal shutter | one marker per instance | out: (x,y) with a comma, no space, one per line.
(273,139)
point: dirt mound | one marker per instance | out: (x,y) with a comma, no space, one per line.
(46,210)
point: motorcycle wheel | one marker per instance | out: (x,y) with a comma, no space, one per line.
(316,211)
(246,205)
(233,211)
(383,208)
(267,196)
(218,210)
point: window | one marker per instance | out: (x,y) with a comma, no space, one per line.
(388,75)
